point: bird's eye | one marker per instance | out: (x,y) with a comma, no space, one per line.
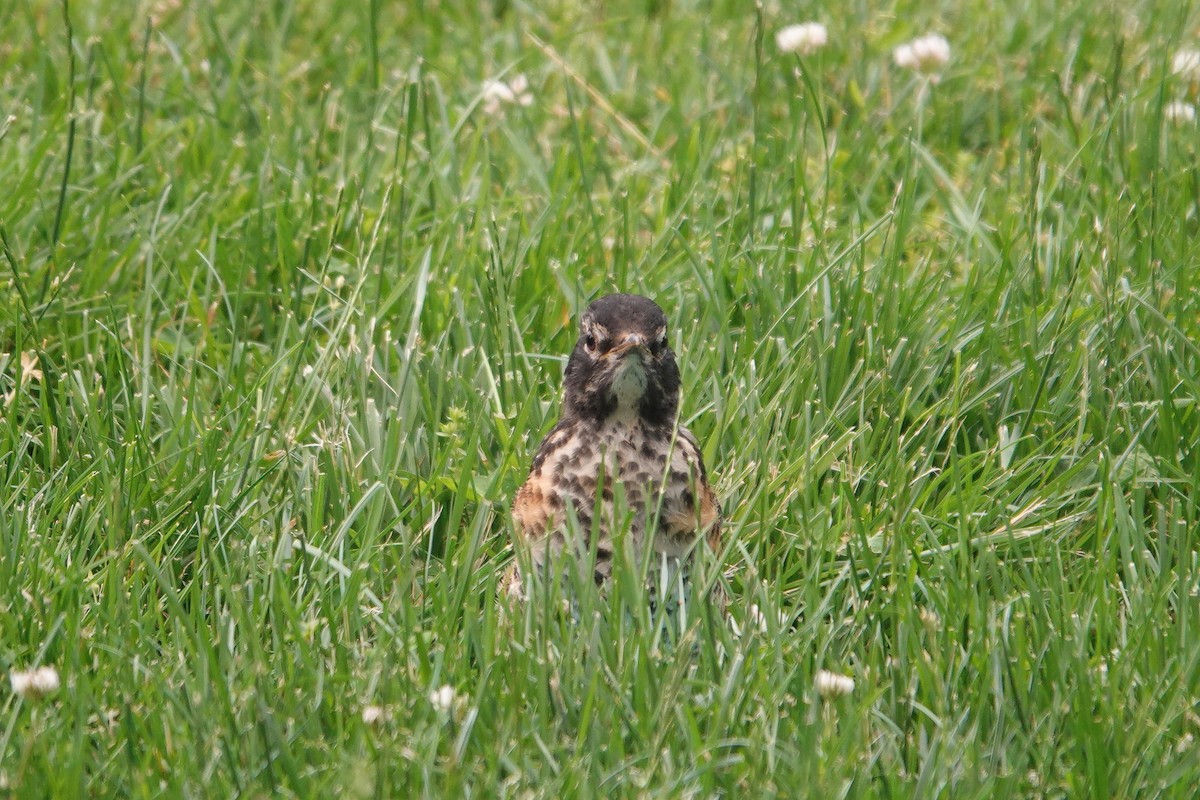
(589,343)
(658,344)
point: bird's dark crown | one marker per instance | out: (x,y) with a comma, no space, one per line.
(622,363)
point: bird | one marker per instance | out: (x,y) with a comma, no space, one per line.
(617,447)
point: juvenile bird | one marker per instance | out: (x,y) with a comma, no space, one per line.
(617,447)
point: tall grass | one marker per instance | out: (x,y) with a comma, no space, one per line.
(283,310)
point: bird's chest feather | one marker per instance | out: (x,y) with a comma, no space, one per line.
(628,473)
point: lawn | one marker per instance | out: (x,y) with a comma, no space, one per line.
(285,295)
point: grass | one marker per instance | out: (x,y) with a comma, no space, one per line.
(282,319)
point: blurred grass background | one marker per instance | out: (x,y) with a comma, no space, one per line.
(283,308)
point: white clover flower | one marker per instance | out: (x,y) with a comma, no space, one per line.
(443,698)
(1186,64)
(1179,112)
(831,684)
(498,93)
(805,38)
(373,715)
(35,683)
(925,54)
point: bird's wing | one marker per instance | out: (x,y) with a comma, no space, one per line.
(705,513)
(530,511)
(532,507)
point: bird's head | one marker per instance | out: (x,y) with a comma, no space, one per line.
(622,364)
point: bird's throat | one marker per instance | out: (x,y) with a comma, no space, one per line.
(628,387)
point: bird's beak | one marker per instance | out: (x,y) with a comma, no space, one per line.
(629,342)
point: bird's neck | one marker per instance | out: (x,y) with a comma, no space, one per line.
(626,415)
